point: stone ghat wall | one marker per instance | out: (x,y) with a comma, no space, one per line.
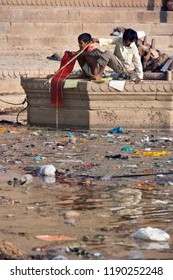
(56,24)
(98,106)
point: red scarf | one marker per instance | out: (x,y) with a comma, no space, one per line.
(56,84)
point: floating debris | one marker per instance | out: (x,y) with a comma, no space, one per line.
(151,234)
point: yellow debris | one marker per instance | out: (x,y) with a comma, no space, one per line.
(152,154)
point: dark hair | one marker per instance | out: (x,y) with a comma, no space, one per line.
(130,35)
(85,37)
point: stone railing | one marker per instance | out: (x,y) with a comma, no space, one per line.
(88,3)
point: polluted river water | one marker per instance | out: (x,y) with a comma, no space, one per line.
(101,187)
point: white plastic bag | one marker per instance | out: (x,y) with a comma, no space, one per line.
(151,234)
(47,170)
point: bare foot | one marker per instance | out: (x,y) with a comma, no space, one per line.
(78,76)
(96,77)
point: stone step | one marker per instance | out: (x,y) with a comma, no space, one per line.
(59,26)
(13,14)
(60,44)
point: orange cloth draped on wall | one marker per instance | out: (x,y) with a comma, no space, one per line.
(56,83)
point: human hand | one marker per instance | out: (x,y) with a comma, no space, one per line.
(71,53)
(137,80)
(95,40)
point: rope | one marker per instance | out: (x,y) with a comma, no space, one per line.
(14,103)
(17,117)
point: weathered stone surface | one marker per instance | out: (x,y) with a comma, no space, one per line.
(43,23)
(96,106)
(89,3)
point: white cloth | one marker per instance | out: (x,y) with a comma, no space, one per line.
(117,84)
(166,65)
(141,34)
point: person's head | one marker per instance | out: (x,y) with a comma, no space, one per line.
(129,37)
(84,39)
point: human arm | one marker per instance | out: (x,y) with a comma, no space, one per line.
(146,59)
(72,53)
(137,64)
(106,41)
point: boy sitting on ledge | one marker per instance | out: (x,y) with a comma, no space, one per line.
(87,65)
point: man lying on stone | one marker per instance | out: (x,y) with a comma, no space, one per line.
(125,58)
(153,60)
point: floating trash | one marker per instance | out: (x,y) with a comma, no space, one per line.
(127,149)
(59,258)
(37,158)
(47,170)
(48,179)
(118,156)
(118,129)
(69,134)
(26,179)
(50,238)
(152,154)
(151,234)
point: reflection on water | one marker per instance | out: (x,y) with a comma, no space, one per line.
(109,215)
(100,216)
(153,245)
(127,201)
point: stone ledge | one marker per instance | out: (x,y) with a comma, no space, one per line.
(90,105)
(17,73)
(85,3)
(39,82)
